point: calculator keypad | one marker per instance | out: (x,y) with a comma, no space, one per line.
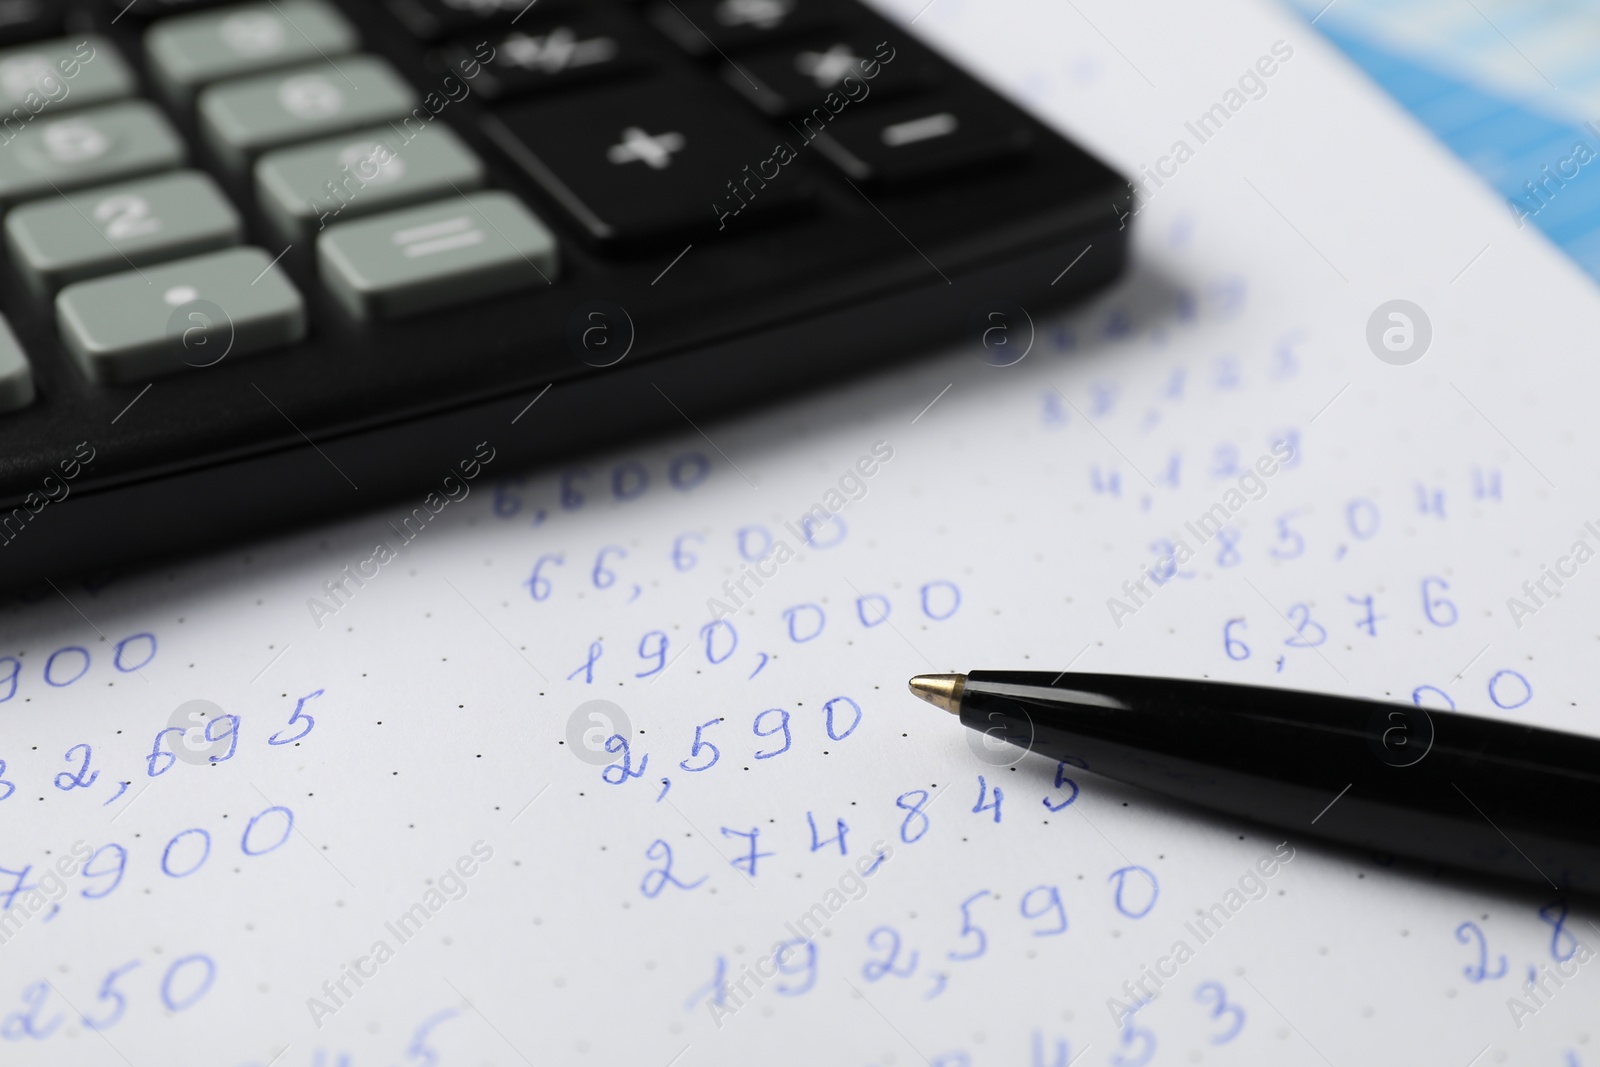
(433,19)
(85,148)
(28,20)
(793,79)
(910,141)
(16,376)
(412,261)
(242,118)
(648,124)
(714,28)
(586,48)
(189,51)
(635,164)
(306,189)
(195,312)
(61,74)
(60,240)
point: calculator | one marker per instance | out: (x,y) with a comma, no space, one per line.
(268,262)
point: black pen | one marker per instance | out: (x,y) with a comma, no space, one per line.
(1474,793)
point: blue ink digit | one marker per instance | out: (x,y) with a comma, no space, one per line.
(809,527)
(1430,503)
(602,576)
(797,627)
(660,850)
(115,873)
(1467,933)
(747,862)
(50,666)
(1370,622)
(1308,632)
(1061,1058)
(1416,696)
(1556,915)
(12,674)
(232,734)
(695,749)
(109,992)
(157,753)
(994,805)
(571,498)
(708,634)
(754,542)
(596,650)
(913,811)
(202,985)
(808,967)
(298,716)
(874,970)
(166,853)
(828,720)
(783,725)
(714,991)
(1120,876)
(1108,483)
(880,609)
(1440,612)
(838,838)
(1225,461)
(763,663)
(1134,1037)
(18,885)
(419,1052)
(953,596)
(1062,780)
(261,850)
(659,653)
(666,784)
(1293,545)
(1362,517)
(624,767)
(122,647)
(26,1023)
(688,470)
(967,929)
(1210,992)
(9,787)
(537,583)
(682,559)
(505,504)
(1233,646)
(1510,698)
(620,485)
(84,778)
(1228,551)
(1052,903)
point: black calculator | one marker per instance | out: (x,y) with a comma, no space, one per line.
(270,261)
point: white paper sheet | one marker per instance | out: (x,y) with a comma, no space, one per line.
(417,727)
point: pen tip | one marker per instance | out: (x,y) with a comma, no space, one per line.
(940,690)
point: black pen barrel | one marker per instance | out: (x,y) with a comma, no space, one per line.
(1474,793)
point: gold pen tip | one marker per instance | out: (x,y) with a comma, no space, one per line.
(940,690)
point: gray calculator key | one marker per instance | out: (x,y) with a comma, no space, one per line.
(189,51)
(60,74)
(16,377)
(460,249)
(114,227)
(86,148)
(241,118)
(309,188)
(192,313)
